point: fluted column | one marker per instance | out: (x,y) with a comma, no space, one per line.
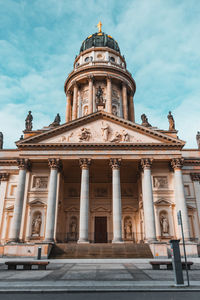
(196,181)
(132,114)
(55,166)
(69,106)
(177,164)
(23,165)
(84,201)
(90,98)
(148,203)
(124,101)
(109,95)
(75,102)
(116,200)
(3,185)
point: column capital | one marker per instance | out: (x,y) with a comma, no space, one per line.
(90,78)
(177,163)
(85,163)
(4,176)
(115,163)
(55,164)
(24,164)
(195,176)
(146,163)
(108,77)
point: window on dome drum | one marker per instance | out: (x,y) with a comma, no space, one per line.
(112,58)
(87,59)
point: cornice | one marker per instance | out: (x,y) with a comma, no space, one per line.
(8,162)
(191,162)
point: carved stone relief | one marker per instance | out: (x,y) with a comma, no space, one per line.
(160,182)
(40,182)
(36,224)
(84,134)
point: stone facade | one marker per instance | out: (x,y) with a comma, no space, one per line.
(99,177)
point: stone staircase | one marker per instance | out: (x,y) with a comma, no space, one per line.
(126,250)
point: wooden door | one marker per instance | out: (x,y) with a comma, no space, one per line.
(100,230)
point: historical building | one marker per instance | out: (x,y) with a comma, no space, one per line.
(99,178)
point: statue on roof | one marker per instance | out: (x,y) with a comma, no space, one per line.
(198,139)
(171,122)
(145,121)
(28,122)
(56,121)
(1,140)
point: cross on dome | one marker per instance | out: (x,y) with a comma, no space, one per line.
(99,25)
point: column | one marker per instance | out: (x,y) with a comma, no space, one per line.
(23,165)
(132,115)
(75,102)
(148,203)
(177,164)
(84,200)
(196,181)
(90,96)
(124,101)
(3,185)
(116,200)
(109,95)
(69,104)
(55,166)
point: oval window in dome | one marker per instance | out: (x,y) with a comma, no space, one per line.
(112,58)
(87,59)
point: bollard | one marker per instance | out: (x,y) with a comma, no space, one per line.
(176,261)
(39,252)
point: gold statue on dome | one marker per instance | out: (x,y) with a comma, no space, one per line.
(99,26)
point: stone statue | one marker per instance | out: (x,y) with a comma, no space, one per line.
(36,225)
(145,121)
(1,140)
(117,137)
(56,121)
(171,121)
(164,225)
(99,96)
(128,229)
(105,131)
(125,136)
(114,110)
(28,122)
(198,139)
(73,229)
(84,135)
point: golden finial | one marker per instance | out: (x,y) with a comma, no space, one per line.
(99,26)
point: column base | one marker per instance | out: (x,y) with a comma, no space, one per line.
(14,241)
(49,241)
(117,241)
(82,241)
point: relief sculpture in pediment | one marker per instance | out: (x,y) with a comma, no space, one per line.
(84,135)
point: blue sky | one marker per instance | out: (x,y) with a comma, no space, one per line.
(39,40)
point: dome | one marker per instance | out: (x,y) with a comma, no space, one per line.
(99,39)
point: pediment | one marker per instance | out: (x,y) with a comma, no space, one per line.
(100,209)
(127,209)
(100,128)
(36,202)
(72,209)
(162,202)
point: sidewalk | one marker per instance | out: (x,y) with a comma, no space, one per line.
(94,275)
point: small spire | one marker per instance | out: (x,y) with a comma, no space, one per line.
(99,26)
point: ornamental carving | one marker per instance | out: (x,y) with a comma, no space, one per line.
(146,162)
(145,121)
(84,135)
(55,163)
(115,163)
(40,182)
(160,182)
(4,176)
(195,176)
(177,163)
(84,163)
(23,164)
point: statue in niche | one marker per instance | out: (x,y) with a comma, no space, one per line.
(84,135)
(128,229)
(36,225)
(114,110)
(99,96)
(105,131)
(73,228)
(171,121)
(164,224)
(117,137)
(1,140)
(125,136)
(85,110)
(145,121)
(28,122)
(56,121)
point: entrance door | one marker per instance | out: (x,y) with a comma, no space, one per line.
(100,230)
